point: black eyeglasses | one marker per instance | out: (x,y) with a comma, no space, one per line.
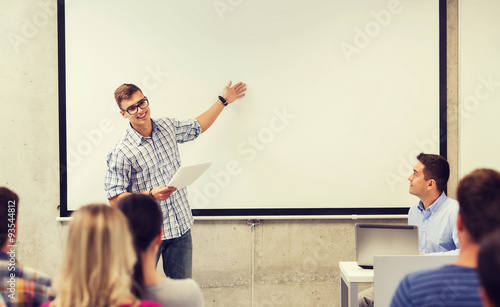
(144,103)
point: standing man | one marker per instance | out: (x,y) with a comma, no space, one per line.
(458,284)
(435,214)
(145,159)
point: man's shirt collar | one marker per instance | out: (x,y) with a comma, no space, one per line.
(136,137)
(435,205)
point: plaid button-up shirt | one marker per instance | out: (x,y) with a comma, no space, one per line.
(137,164)
(21,285)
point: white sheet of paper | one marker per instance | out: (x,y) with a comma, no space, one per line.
(186,175)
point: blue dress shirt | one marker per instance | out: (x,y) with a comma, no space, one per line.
(437,225)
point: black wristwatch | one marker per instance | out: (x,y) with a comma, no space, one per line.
(223,101)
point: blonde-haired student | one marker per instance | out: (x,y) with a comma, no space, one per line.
(99,260)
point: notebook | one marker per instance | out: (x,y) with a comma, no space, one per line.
(186,175)
(382,239)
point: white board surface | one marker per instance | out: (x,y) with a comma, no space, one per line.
(342,95)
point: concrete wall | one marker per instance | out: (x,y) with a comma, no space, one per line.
(275,263)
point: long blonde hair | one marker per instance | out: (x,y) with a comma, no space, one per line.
(97,267)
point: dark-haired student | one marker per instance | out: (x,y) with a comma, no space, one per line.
(488,268)
(435,214)
(19,285)
(457,284)
(145,221)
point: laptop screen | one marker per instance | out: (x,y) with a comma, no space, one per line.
(383,239)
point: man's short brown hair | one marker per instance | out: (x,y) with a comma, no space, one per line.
(124,91)
(435,167)
(478,196)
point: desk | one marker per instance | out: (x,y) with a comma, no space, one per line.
(350,275)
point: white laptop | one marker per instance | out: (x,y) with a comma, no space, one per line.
(384,239)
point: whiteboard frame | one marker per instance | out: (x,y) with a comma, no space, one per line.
(281,213)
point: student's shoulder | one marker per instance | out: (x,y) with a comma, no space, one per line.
(125,144)
(171,291)
(418,287)
(186,285)
(426,278)
(451,202)
(31,274)
(451,206)
(38,276)
(164,121)
(414,207)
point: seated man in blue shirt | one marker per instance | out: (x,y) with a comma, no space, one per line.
(435,214)
(457,284)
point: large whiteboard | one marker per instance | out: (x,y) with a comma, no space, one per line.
(479,96)
(342,95)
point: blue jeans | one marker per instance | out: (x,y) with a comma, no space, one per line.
(177,255)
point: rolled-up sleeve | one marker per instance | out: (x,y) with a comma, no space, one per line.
(117,177)
(186,130)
